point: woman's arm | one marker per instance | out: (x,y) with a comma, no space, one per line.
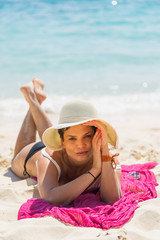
(50,189)
(110,189)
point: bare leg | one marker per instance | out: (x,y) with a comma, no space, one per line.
(33,92)
(27,132)
(35,119)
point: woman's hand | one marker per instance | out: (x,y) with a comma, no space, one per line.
(104,138)
(96,146)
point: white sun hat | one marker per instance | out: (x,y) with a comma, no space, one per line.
(74,113)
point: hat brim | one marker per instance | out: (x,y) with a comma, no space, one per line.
(52,140)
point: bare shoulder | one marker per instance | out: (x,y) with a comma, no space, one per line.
(47,175)
(44,162)
(46,168)
(57,156)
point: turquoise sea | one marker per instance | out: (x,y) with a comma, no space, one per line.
(88,48)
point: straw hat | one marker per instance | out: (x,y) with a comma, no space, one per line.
(72,114)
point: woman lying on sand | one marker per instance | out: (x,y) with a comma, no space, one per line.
(74,155)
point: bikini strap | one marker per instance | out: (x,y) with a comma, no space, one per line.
(45,154)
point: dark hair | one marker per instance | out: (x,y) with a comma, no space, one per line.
(62,130)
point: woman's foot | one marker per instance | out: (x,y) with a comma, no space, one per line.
(38,86)
(28,92)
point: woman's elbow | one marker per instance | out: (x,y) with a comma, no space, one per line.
(112,199)
(46,196)
(54,199)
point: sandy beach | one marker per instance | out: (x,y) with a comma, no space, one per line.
(107,52)
(139,142)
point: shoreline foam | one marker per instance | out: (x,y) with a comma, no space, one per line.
(106,104)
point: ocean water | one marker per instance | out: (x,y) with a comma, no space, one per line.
(82,48)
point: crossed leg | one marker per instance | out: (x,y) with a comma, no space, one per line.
(35,120)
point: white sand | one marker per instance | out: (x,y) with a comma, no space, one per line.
(139,142)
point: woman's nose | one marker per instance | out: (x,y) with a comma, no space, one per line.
(80,143)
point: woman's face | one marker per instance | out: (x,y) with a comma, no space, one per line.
(77,141)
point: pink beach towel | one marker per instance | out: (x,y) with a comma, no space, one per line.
(88,210)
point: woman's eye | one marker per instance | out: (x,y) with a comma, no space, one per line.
(72,139)
(88,136)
